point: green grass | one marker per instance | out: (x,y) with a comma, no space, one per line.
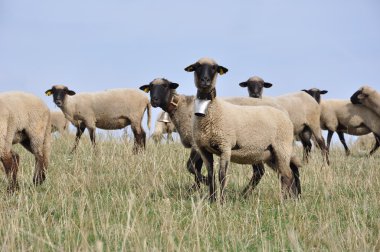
(111,200)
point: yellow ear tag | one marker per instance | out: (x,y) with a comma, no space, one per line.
(146,90)
(48,93)
(221,72)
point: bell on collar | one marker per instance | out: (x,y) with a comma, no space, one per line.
(200,107)
(164,118)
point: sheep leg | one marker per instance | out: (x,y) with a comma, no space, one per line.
(258,173)
(194,166)
(34,146)
(322,146)
(80,129)
(10,162)
(305,137)
(294,164)
(329,137)
(223,167)
(377,144)
(208,159)
(140,136)
(170,137)
(91,131)
(343,141)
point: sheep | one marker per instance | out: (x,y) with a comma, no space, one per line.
(110,109)
(303,111)
(180,108)
(342,116)
(59,122)
(25,119)
(162,127)
(369,97)
(241,134)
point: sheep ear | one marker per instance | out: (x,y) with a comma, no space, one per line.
(323,92)
(49,92)
(305,90)
(70,92)
(222,70)
(192,67)
(267,84)
(243,84)
(145,88)
(173,85)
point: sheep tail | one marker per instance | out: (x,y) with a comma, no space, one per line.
(149,112)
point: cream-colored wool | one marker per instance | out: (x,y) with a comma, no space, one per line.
(342,115)
(241,134)
(108,110)
(25,120)
(59,122)
(370,98)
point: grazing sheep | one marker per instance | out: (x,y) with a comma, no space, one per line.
(25,119)
(111,109)
(369,97)
(59,122)
(303,112)
(162,128)
(180,108)
(241,134)
(342,116)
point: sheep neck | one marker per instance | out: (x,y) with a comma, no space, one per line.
(207,96)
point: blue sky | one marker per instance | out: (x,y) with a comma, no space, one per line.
(97,45)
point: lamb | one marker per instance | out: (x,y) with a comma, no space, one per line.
(236,133)
(369,97)
(180,109)
(163,127)
(342,116)
(111,109)
(59,122)
(303,112)
(25,120)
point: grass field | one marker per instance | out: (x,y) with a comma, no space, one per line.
(110,200)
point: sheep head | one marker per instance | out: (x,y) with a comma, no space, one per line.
(160,90)
(361,95)
(205,73)
(59,93)
(255,86)
(315,93)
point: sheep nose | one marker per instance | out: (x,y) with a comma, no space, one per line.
(58,103)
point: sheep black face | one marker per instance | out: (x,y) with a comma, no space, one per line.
(359,96)
(59,93)
(255,86)
(205,73)
(160,92)
(315,93)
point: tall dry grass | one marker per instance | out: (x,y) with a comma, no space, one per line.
(111,200)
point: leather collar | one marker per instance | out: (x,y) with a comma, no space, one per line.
(172,106)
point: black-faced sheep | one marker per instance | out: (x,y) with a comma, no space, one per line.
(180,108)
(342,116)
(25,119)
(241,134)
(369,97)
(110,109)
(303,112)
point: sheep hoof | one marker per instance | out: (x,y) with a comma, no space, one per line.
(39,179)
(12,188)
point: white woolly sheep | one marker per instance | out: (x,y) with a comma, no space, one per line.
(110,109)
(369,97)
(303,112)
(241,134)
(161,128)
(342,116)
(59,122)
(25,119)
(180,108)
